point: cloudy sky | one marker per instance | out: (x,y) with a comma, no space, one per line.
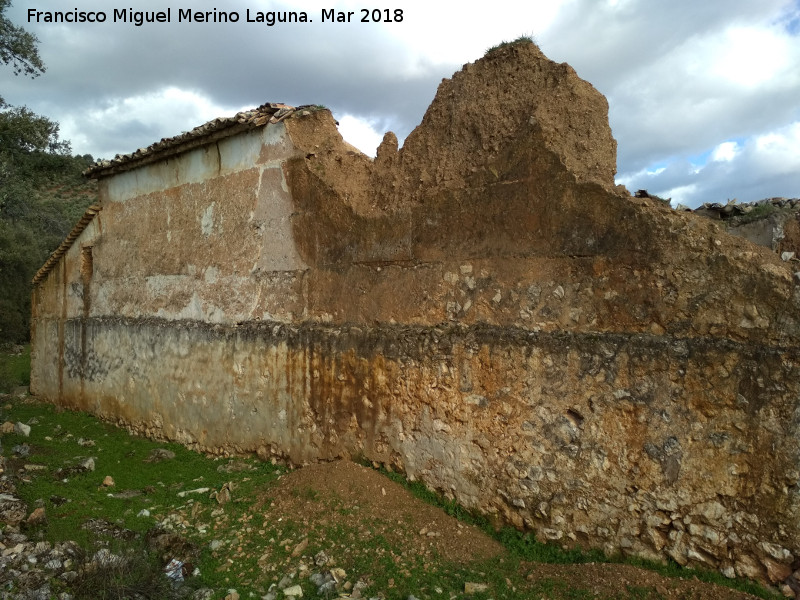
(704,96)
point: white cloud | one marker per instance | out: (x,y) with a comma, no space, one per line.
(361,133)
(443,32)
(681,77)
(684,79)
(682,194)
(778,152)
(749,56)
(726,151)
(761,166)
(168,111)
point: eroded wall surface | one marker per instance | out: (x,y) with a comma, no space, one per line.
(481,308)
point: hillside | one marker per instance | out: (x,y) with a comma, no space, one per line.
(42,195)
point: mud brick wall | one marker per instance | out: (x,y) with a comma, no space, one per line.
(482,308)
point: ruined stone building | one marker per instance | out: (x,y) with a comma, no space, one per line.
(483,309)
(772,222)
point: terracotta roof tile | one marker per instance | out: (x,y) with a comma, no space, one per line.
(216,129)
(67,243)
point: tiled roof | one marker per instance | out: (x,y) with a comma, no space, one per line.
(67,243)
(209,132)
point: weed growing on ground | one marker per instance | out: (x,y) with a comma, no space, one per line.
(147,493)
(525,546)
(15,369)
(125,573)
(760,211)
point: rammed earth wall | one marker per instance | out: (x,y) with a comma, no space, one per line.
(482,308)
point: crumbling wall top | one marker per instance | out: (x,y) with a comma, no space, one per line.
(514,95)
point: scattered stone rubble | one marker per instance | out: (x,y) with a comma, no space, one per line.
(772,222)
(733,209)
(29,566)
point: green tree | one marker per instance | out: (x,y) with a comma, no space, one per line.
(42,193)
(19,256)
(23,131)
(18,47)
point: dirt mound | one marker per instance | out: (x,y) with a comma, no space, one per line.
(332,496)
(308,494)
(625,581)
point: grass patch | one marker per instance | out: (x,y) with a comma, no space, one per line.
(523,39)
(15,369)
(760,211)
(126,573)
(525,546)
(149,494)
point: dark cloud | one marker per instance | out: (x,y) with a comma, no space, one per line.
(681,77)
(348,67)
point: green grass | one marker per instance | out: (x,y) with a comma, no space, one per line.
(524,546)
(523,39)
(251,541)
(54,443)
(15,370)
(54,439)
(760,211)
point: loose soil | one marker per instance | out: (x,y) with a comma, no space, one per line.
(308,494)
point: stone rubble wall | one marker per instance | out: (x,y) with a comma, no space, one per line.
(772,222)
(637,443)
(482,308)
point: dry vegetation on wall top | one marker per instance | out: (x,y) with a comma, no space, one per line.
(523,39)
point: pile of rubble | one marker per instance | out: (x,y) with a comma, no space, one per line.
(27,566)
(732,209)
(32,568)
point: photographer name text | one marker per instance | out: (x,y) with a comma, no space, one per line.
(138,18)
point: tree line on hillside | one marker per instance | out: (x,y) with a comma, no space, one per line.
(42,192)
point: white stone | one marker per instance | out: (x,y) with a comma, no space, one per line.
(553,534)
(475,588)
(706,533)
(747,567)
(693,554)
(711,512)
(728,571)
(293,591)
(777,552)
(185,493)
(439,425)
